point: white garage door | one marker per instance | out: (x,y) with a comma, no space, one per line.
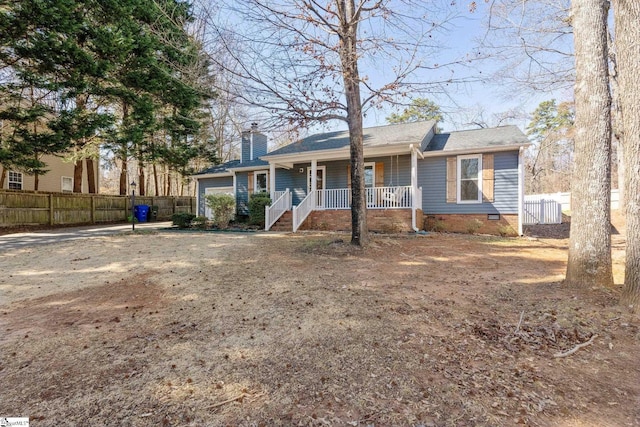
(215,190)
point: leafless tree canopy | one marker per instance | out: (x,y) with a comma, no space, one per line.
(284,56)
(533,40)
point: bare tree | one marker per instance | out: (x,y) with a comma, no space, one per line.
(590,239)
(627,15)
(306,61)
(532,39)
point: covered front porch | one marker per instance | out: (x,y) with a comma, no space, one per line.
(339,199)
(405,195)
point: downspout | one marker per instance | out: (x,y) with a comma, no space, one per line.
(520,190)
(414,186)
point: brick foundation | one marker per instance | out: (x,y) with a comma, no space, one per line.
(507,225)
(378,220)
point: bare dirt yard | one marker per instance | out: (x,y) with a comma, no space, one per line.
(214,329)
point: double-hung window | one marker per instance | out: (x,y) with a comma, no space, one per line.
(15,180)
(470,179)
(261,182)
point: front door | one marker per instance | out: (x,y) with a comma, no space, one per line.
(369,182)
(320,184)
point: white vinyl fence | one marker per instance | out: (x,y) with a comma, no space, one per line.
(542,211)
(565,199)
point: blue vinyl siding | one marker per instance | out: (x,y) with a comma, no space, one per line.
(259,146)
(242,193)
(245,147)
(432,177)
(203,184)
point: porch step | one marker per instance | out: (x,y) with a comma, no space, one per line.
(284,223)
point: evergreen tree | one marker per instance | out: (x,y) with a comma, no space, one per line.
(420,109)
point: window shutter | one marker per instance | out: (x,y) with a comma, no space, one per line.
(487,178)
(349,176)
(379,174)
(250,182)
(452,196)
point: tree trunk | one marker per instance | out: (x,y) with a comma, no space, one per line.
(91,176)
(589,261)
(351,78)
(627,15)
(77,176)
(168,175)
(155,180)
(123,153)
(141,180)
(123,177)
(36,176)
(3,177)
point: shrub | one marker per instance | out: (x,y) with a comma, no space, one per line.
(199,222)
(182,219)
(434,224)
(257,203)
(223,207)
(473,226)
(507,231)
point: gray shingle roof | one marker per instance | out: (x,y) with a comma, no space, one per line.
(477,139)
(251,163)
(222,168)
(225,167)
(405,133)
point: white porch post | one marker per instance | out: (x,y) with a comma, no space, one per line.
(314,180)
(272,180)
(414,186)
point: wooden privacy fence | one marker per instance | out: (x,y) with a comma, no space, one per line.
(31,208)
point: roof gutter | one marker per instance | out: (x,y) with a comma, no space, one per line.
(250,168)
(212,175)
(511,147)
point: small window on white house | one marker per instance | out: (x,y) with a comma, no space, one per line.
(67,184)
(261,183)
(15,180)
(469,180)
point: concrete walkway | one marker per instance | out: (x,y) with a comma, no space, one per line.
(34,238)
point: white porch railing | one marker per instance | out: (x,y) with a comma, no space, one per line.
(302,211)
(280,205)
(542,212)
(389,197)
(377,198)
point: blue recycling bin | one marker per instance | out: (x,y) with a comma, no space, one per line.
(141,212)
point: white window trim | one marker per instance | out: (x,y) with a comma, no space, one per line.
(255,180)
(9,181)
(62,178)
(459,175)
(373,168)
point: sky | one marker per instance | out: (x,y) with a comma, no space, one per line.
(463,104)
